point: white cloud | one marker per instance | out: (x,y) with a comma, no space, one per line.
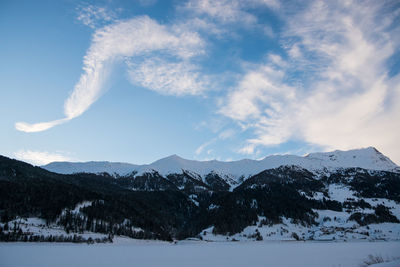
(223,135)
(247,149)
(202,25)
(274,4)
(268,31)
(345,99)
(261,102)
(140,36)
(228,133)
(92,16)
(230,11)
(294,52)
(223,18)
(37,127)
(164,77)
(39,157)
(330,88)
(201,148)
(348,105)
(223,10)
(259,96)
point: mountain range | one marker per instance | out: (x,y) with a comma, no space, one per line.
(233,171)
(339,195)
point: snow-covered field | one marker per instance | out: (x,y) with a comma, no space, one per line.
(126,252)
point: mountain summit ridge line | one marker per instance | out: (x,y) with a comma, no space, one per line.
(366,158)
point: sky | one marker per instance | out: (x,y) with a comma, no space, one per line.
(135,81)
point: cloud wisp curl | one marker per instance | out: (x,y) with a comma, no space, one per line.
(140,36)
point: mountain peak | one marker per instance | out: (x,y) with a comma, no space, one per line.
(174,157)
(367,158)
(169,159)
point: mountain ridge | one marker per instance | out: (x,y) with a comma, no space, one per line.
(319,162)
(284,203)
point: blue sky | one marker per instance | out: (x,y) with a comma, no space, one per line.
(135,81)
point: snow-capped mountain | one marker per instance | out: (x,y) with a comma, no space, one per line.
(336,200)
(366,158)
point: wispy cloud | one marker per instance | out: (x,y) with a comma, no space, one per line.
(230,11)
(223,135)
(136,37)
(40,157)
(260,101)
(166,77)
(38,127)
(94,16)
(328,86)
(223,18)
(167,49)
(203,146)
(341,96)
(223,10)
(226,134)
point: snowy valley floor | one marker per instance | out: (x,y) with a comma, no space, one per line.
(124,252)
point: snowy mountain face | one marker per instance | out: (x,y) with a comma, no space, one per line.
(367,158)
(318,163)
(91,167)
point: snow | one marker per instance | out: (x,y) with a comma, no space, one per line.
(195,253)
(394,263)
(337,218)
(340,192)
(213,206)
(193,198)
(368,158)
(38,226)
(316,195)
(78,207)
(63,167)
(362,158)
(331,226)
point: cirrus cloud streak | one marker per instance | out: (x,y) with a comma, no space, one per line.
(136,37)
